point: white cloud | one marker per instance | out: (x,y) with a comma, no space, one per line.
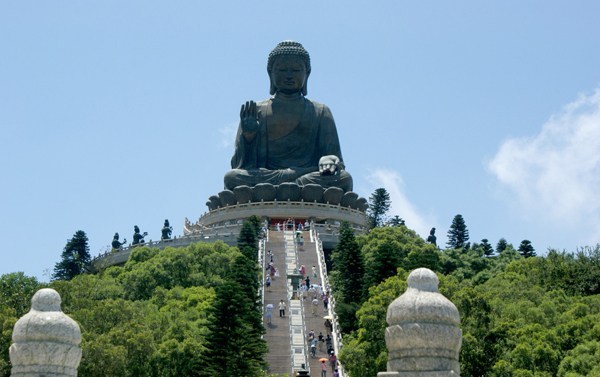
(401,206)
(555,175)
(227,135)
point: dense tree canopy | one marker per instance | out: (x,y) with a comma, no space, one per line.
(364,352)
(158,315)
(535,316)
(385,249)
(367,261)
(16,291)
(180,311)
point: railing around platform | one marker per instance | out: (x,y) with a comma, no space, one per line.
(112,257)
(285,204)
(236,213)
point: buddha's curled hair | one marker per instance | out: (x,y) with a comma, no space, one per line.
(289,48)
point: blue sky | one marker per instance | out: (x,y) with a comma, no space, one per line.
(115,114)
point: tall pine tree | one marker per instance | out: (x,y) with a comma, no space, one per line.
(397,221)
(526,249)
(458,235)
(247,241)
(75,258)
(379,204)
(347,277)
(235,346)
(501,246)
(488,250)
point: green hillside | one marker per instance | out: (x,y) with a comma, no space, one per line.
(193,311)
(521,316)
(189,311)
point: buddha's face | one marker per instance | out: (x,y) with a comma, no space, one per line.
(288,74)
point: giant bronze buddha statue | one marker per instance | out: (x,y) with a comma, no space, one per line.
(287,138)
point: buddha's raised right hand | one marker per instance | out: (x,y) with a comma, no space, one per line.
(249,118)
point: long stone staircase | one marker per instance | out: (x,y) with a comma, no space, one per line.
(286,336)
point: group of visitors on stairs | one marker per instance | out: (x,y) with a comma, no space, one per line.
(313,295)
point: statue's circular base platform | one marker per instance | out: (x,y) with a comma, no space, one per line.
(319,213)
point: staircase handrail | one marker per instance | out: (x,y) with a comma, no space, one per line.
(289,295)
(337,335)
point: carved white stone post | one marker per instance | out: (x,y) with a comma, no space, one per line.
(45,340)
(423,338)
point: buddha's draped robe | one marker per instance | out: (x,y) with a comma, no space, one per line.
(293,157)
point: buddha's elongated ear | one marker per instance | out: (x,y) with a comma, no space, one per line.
(273,89)
(305,86)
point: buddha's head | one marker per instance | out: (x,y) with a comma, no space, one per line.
(136,229)
(288,67)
